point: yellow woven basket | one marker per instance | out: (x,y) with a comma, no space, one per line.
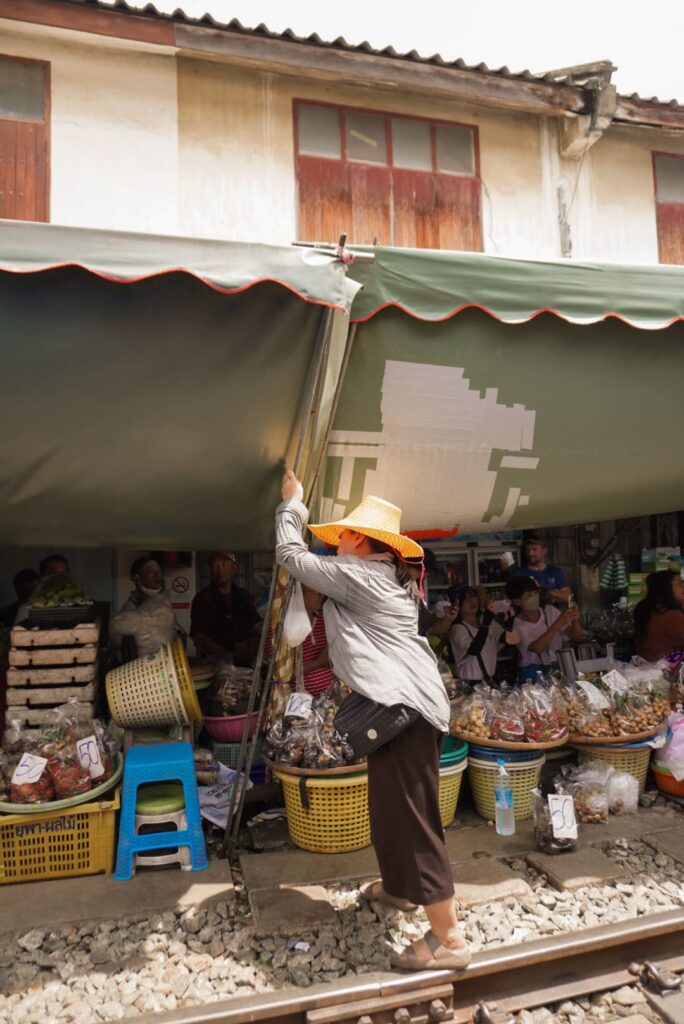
(634,762)
(185,680)
(523,777)
(154,690)
(58,844)
(449,788)
(336,820)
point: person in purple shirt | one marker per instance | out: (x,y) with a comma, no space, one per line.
(549,577)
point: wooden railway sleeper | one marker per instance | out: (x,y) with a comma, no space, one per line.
(432,1005)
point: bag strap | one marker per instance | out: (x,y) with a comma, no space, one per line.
(486,678)
(544,654)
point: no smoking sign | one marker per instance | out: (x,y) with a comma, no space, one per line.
(180,584)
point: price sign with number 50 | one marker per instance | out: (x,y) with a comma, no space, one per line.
(29,769)
(563,820)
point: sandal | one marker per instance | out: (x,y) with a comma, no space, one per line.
(442,959)
(373,891)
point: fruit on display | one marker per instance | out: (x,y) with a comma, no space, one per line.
(591,805)
(59,591)
(472,720)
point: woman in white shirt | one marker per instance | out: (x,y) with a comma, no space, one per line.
(475,641)
(543,631)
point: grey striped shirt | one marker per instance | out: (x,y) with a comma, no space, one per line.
(370,620)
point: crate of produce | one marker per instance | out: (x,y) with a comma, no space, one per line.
(523,776)
(58,844)
(52,656)
(449,790)
(326,815)
(87,633)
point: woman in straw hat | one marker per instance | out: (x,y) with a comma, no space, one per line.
(371,622)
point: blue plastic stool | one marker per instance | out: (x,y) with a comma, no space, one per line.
(159,762)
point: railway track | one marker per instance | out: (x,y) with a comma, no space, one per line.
(549,970)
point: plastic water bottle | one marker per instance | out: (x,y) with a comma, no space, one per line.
(503,801)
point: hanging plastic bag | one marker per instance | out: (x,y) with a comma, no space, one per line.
(297,625)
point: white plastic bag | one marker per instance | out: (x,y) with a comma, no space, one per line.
(152,624)
(623,793)
(297,625)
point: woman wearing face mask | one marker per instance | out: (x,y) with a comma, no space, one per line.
(146,621)
(543,631)
(475,639)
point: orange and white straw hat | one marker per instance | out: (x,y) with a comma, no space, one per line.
(374,518)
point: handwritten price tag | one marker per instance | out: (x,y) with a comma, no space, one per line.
(563,821)
(29,769)
(89,756)
(299,706)
(594,695)
(616,682)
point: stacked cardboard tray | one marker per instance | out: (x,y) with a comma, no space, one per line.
(48,667)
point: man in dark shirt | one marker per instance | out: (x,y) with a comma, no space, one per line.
(24,582)
(549,577)
(223,620)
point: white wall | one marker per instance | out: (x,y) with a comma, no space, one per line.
(236,157)
(114,139)
(145,141)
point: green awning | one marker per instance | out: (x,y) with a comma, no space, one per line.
(475,409)
(229,267)
(139,407)
(434,285)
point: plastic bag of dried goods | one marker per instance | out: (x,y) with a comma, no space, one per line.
(547,842)
(69,776)
(473,717)
(545,717)
(31,781)
(588,784)
(507,718)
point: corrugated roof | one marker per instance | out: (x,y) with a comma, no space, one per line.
(340,43)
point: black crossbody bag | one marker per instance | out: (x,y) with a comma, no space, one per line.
(369,725)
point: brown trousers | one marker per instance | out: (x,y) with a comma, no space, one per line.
(403,782)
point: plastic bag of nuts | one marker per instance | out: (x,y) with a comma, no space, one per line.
(591,805)
(588,784)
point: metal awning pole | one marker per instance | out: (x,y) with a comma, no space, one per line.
(245,755)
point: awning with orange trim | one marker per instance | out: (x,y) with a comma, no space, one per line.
(433,285)
(151,388)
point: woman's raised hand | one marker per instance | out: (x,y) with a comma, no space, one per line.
(292,487)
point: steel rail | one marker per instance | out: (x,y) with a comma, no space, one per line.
(528,974)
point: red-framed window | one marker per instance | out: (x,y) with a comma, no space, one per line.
(386,178)
(24,139)
(668,175)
